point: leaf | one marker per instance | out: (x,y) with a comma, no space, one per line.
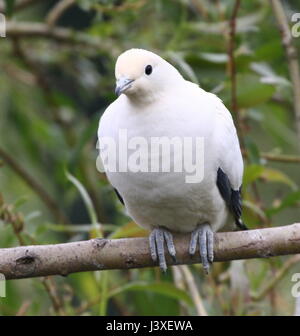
(70,228)
(87,5)
(86,135)
(268,74)
(130,229)
(32,215)
(88,203)
(275,175)
(185,67)
(214,57)
(163,288)
(254,208)
(251,91)
(254,172)
(276,123)
(252,150)
(247,23)
(20,201)
(288,201)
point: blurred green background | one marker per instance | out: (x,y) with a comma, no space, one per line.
(57,78)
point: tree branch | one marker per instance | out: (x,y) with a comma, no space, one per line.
(232,72)
(58,10)
(276,278)
(193,289)
(50,202)
(66,35)
(104,254)
(291,55)
(284,158)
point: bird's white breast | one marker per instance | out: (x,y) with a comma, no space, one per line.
(165,198)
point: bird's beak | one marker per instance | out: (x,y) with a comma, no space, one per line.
(122,85)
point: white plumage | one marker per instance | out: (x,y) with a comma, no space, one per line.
(164,104)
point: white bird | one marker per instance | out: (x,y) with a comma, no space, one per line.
(155,101)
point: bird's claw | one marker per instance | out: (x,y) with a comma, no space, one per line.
(204,236)
(157,239)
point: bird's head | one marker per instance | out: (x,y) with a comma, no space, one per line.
(141,74)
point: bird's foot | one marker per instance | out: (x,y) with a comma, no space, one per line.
(203,236)
(157,239)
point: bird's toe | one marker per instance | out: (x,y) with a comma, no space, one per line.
(157,239)
(204,236)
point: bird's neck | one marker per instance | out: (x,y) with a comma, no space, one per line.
(140,99)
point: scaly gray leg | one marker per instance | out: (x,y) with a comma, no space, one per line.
(157,239)
(205,238)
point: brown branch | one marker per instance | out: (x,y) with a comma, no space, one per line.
(7,215)
(56,300)
(292,57)
(276,278)
(35,186)
(24,308)
(66,35)
(17,222)
(104,254)
(194,292)
(284,158)
(239,121)
(58,10)
(281,158)
(232,70)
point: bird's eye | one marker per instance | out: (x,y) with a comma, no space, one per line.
(148,70)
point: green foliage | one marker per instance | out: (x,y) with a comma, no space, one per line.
(52,95)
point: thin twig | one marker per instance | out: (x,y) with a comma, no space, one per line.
(17,222)
(23,309)
(240,124)
(7,215)
(281,158)
(54,297)
(201,311)
(19,74)
(276,278)
(58,34)
(292,57)
(57,11)
(284,158)
(232,71)
(35,186)
(178,280)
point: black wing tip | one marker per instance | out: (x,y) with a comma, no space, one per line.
(231,197)
(241,225)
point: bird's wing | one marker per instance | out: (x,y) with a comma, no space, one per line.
(230,162)
(107,119)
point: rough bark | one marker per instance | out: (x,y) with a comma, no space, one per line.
(103,254)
